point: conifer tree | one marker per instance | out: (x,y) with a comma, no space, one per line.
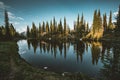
(87,30)
(7,34)
(82,20)
(60,29)
(65,26)
(97,28)
(99,22)
(40,30)
(105,22)
(34,30)
(43,27)
(78,23)
(3,30)
(12,31)
(68,28)
(110,18)
(54,25)
(94,21)
(1,35)
(47,27)
(110,25)
(118,21)
(51,27)
(28,32)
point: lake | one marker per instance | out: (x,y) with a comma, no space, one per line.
(96,59)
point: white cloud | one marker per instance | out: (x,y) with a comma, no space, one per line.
(14,19)
(14,22)
(20,18)
(21,29)
(113,20)
(3,6)
(12,16)
(115,13)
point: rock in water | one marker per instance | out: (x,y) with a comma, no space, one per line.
(45,67)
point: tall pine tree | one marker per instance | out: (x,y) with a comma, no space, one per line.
(100,26)
(65,26)
(12,31)
(118,21)
(28,32)
(43,27)
(7,34)
(34,30)
(82,20)
(97,22)
(51,27)
(110,24)
(94,21)
(40,30)
(54,25)
(78,23)
(60,28)
(97,29)
(105,22)
(47,27)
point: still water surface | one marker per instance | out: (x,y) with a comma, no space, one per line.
(90,58)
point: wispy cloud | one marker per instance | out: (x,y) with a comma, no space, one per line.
(3,6)
(13,16)
(20,18)
(115,13)
(22,29)
(14,22)
(15,19)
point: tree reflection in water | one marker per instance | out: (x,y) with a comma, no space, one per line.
(105,52)
(111,61)
(54,47)
(96,51)
(79,48)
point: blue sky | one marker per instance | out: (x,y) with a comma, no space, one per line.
(24,12)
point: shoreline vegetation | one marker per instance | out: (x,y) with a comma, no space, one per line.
(101,29)
(12,67)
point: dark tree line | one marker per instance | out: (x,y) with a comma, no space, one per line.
(108,26)
(81,28)
(60,29)
(48,29)
(52,29)
(8,31)
(97,22)
(100,27)
(111,62)
(117,29)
